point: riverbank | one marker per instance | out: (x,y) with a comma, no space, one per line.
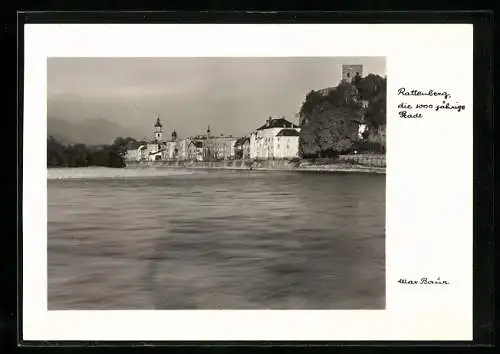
(266,165)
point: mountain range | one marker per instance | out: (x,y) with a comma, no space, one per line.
(90,131)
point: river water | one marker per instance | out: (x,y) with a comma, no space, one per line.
(179,239)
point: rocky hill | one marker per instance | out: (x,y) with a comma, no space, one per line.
(330,118)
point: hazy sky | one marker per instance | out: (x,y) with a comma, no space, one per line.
(232,95)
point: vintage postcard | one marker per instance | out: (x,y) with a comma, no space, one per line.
(247,182)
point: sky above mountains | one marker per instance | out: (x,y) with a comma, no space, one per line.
(231,95)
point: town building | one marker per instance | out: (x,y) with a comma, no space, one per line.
(361,124)
(159,149)
(242,148)
(277,139)
(133,155)
(212,147)
(286,144)
(192,148)
(195,150)
(179,148)
(202,147)
(171,150)
(220,147)
(152,150)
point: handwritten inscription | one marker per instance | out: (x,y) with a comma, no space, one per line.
(417,110)
(423,281)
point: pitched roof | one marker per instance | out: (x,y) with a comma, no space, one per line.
(288,132)
(242,141)
(199,137)
(197,144)
(278,123)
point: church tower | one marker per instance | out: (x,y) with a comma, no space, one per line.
(158,130)
(174,135)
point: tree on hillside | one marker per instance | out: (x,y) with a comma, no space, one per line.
(313,99)
(370,86)
(120,147)
(100,157)
(329,121)
(376,114)
(127,143)
(344,95)
(116,156)
(308,145)
(79,155)
(55,153)
(373,88)
(328,132)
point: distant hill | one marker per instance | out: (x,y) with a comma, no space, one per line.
(89,132)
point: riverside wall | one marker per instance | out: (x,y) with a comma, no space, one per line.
(224,164)
(265,165)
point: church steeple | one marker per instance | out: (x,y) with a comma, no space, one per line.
(174,136)
(158,129)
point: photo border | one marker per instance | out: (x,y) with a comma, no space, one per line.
(483,280)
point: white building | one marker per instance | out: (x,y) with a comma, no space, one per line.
(133,155)
(170,152)
(195,150)
(170,148)
(153,150)
(286,143)
(182,149)
(148,152)
(222,147)
(277,139)
(362,127)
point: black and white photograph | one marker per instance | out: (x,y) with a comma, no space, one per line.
(216,183)
(225,182)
